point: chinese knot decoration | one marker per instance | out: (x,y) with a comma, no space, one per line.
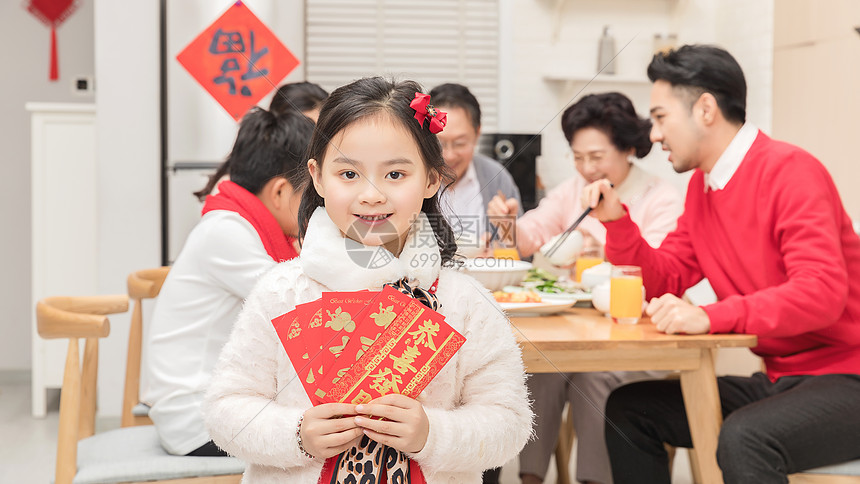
(52,13)
(423,110)
(237,59)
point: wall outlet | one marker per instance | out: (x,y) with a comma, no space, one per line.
(83,85)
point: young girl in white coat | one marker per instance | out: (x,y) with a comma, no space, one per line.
(370,217)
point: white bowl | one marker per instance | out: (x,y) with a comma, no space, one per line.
(495,274)
(600,297)
(565,254)
(595,275)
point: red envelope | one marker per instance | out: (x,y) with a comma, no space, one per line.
(314,337)
(292,329)
(370,323)
(411,351)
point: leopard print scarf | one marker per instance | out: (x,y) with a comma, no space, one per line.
(426,297)
(371,463)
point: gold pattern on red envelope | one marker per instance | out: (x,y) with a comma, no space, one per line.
(376,316)
(402,360)
(340,311)
(316,318)
(357,346)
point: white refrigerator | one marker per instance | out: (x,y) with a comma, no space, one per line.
(197,133)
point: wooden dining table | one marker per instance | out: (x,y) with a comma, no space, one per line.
(582,339)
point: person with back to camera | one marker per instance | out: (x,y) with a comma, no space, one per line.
(376,174)
(764,223)
(605,135)
(305,97)
(248,227)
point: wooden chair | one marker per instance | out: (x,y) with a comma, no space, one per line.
(564,446)
(128,455)
(844,473)
(145,284)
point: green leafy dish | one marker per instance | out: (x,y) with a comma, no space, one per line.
(548,284)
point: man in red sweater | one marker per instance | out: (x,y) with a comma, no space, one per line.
(764,223)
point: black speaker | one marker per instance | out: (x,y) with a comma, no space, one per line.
(518,153)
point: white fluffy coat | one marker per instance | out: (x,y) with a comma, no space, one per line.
(477,406)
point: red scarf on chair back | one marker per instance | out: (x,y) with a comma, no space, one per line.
(234,198)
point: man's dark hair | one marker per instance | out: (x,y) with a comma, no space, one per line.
(457,96)
(266,146)
(698,69)
(298,96)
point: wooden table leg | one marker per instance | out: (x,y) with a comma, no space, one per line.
(563,447)
(702,401)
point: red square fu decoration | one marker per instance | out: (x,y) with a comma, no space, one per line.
(238,60)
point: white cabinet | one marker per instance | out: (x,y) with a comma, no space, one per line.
(64,230)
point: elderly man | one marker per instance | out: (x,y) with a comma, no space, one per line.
(478,178)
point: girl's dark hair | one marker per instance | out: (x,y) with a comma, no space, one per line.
(704,68)
(369,97)
(266,146)
(613,114)
(297,96)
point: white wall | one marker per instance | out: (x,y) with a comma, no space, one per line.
(25,67)
(815,107)
(128,158)
(745,28)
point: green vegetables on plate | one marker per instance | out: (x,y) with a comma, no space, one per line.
(545,282)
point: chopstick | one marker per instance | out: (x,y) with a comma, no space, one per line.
(559,241)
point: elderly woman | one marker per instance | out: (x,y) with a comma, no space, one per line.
(606,135)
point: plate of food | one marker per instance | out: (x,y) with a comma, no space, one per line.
(550,287)
(521,302)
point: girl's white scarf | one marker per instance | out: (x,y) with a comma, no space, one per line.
(343,264)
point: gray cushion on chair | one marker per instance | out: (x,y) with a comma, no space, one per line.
(135,454)
(140,410)
(850,468)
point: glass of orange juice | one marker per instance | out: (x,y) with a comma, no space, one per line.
(625,294)
(506,253)
(589,257)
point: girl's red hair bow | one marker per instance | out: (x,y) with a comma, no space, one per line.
(423,109)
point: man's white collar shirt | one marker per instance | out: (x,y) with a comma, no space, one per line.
(731,159)
(463,204)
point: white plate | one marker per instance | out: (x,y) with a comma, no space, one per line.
(523,309)
(554,296)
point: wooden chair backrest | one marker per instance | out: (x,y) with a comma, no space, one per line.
(144,284)
(75,318)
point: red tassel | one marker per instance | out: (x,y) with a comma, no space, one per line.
(54,69)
